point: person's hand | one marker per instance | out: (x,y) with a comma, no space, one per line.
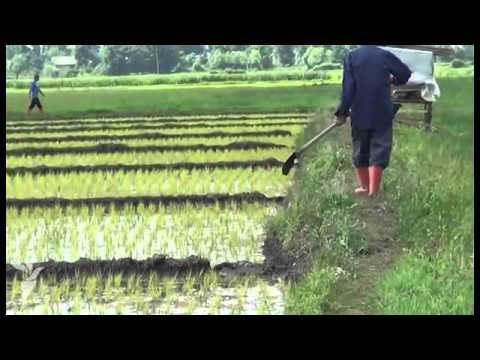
(341,120)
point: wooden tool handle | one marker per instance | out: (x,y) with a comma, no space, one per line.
(316,138)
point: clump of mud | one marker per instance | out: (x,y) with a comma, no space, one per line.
(111,148)
(120,202)
(43,170)
(277,264)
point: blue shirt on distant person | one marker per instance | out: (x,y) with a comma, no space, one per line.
(34,89)
(366,87)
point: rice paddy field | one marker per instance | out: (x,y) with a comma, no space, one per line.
(142,188)
(162,200)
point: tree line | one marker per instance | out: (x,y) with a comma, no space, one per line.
(151,59)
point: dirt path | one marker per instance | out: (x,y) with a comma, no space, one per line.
(356,295)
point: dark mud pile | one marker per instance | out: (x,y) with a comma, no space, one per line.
(86,128)
(43,170)
(120,202)
(58,122)
(148,136)
(277,263)
(159,264)
(122,148)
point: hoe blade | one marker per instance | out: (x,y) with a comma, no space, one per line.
(289,164)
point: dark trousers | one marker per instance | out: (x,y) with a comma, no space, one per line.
(371,147)
(35,102)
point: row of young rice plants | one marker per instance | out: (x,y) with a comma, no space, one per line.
(224,140)
(148,295)
(34,128)
(178,133)
(161,119)
(233,233)
(228,233)
(144,183)
(147,158)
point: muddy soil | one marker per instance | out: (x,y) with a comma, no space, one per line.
(122,148)
(43,170)
(276,265)
(119,202)
(159,264)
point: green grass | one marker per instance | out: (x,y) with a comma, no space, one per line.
(435,285)
(172,99)
(430,184)
(436,212)
(181,78)
(65,103)
(204,78)
(321,221)
(446,71)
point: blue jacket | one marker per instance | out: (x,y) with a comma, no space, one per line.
(366,86)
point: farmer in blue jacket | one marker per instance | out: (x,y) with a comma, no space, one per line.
(33,95)
(367,76)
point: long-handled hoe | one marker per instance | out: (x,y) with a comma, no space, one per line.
(293,159)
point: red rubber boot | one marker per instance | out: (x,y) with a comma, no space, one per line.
(375,173)
(363,181)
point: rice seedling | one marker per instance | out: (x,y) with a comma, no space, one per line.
(77,301)
(223,140)
(147,157)
(116,122)
(178,134)
(83,185)
(118,309)
(239,304)
(15,292)
(216,304)
(232,118)
(214,232)
(264,300)
(205,231)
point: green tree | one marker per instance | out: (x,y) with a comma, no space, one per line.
(87,55)
(284,55)
(460,53)
(188,49)
(469,52)
(228,48)
(127,59)
(169,56)
(299,52)
(254,59)
(19,64)
(266,55)
(12,50)
(216,59)
(316,55)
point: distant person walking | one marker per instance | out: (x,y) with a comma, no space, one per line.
(33,95)
(367,76)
